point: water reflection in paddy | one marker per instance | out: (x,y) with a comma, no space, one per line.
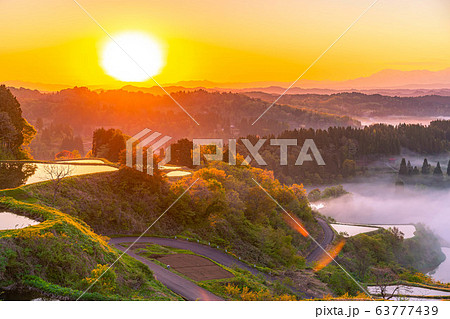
(15,174)
(13,221)
(178,174)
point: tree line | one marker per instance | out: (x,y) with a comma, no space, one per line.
(15,132)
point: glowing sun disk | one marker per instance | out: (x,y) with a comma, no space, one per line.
(132,57)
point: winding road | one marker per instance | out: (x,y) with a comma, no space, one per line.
(327,239)
(189,290)
(178,284)
(181,286)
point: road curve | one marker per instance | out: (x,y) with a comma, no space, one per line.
(188,289)
(327,239)
(200,249)
(183,287)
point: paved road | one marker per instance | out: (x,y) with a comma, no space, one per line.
(327,239)
(188,289)
(200,249)
(177,284)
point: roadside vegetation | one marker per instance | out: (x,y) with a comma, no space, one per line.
(62,256)
(242,286)
(224,206)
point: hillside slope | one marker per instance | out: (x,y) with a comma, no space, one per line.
(62,256)
(225,207)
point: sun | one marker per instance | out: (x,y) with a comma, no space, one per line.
(132,57)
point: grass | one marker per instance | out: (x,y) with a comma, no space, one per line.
(126,202)
(58,256)
(256,286)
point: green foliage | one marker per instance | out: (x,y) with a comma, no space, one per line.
(103,279)
(422,252)
(15,132)
(108,144)
(338,281)
(54,138)
(62,250)
(247,287)
(388,249)
(438,170)
(63,292)
(327,193)
(333,192)
(224,207)
(403,169)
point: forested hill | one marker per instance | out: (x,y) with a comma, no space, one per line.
(358,104)
(219,114)
(347,152)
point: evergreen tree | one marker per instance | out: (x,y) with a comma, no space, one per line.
(409,168)
(415,171)
(437,170)
(448,168)
(403,168)
(15,131)
(426,167)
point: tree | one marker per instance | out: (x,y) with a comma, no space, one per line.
(383,278)
(409,168)
(181,152)
(56,173)
(15,131)
(7,131)
(448,168)
(108,144)
(348,167)
(403,168)
(426,167)
(314,195)
(76,154)
(15,174)
(72,143)
(64,155)
(437,170)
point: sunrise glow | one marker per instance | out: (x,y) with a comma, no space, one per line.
(132,57)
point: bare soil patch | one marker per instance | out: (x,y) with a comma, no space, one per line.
(195,267)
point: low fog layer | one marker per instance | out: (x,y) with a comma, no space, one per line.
(384,203)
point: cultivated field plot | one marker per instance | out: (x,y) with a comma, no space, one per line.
(195,267)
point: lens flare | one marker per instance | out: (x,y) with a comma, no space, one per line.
(295,224)
(328,258)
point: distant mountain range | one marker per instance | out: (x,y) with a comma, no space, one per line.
(385,79)
(386,82)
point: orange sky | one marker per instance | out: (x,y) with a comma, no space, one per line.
(53,41)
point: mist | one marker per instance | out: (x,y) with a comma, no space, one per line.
(382,202)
